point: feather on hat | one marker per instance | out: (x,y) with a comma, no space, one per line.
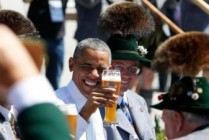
(125,18)
(186,54)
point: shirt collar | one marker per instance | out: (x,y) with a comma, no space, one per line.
(7,113)
(124,97)
(74,94)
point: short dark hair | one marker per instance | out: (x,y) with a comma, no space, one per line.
(94,44)
(18,23)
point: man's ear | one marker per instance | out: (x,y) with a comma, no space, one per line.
(71,64)
(179,121)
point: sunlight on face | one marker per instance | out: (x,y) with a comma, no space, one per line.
(87,70)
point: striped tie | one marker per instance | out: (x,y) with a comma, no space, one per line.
(124,107)
(14,126)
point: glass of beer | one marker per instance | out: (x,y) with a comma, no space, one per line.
(71,113)
(111,78)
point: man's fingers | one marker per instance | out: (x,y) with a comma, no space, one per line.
(104,101)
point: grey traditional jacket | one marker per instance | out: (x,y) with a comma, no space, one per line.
(143,123)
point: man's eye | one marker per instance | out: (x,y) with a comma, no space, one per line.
(118,67)
(100,70)
(86,67)
(135,70)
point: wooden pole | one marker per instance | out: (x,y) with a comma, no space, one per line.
(202,4)
(173,26)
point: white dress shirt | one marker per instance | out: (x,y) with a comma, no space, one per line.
(91,130)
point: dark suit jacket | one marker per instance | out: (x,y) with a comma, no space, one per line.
(43,122)
(39,14)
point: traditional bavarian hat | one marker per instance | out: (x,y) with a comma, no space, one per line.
(121,25)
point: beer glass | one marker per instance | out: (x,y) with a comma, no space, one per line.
(111,78)
(71,113)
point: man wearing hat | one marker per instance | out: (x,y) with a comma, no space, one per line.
(186,105)
(121,25)
(186,109)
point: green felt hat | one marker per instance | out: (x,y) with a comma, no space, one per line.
(126,48)
(188,94)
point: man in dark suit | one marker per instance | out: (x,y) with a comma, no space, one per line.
(48,17)
(87,14)
(24,88)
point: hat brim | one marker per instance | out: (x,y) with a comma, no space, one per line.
(186,95)
(159,106)
(172,106)
(129,56)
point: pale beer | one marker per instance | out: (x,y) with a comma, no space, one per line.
(111,78)
(70,112)
(72,123)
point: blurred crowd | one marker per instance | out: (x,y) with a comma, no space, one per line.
(129,36)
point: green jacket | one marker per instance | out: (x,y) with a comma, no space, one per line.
(43,122)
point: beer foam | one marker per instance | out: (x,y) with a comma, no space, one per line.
(109,76)
(68,109)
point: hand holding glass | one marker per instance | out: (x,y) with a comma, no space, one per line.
(111,78)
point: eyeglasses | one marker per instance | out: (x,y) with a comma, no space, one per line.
(131,69)
(89,68)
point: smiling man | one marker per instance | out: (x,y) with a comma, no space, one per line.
(132,114)
(122,25)
(90,58)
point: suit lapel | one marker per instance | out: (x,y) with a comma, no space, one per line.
(123,122)
(137,112)
(102,112)
(138,118)
(2,118)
